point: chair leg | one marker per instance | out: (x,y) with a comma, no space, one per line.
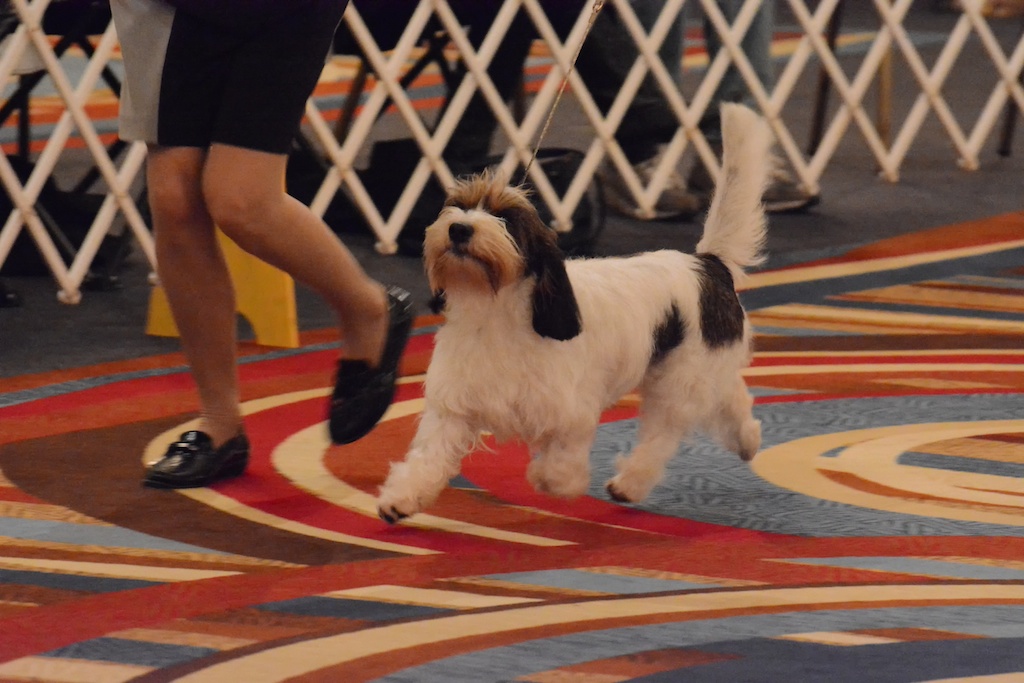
(1010,117)
(434,54)
(1009,123)
(348,109)
(824,83)
(883,112)
(23,103)
(883,115)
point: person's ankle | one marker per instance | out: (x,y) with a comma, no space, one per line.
(220,432)
(364,339)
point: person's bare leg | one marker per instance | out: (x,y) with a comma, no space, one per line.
(244,190)
(195,278)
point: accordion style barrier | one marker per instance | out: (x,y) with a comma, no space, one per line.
(389,63)
(29,39)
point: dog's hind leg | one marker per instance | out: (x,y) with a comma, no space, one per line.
(662,428)
(433,459)
(561,464)
(734,425)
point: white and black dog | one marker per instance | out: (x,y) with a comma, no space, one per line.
(535,347)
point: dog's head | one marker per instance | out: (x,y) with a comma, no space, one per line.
(488,236)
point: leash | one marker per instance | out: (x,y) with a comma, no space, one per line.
(594,11)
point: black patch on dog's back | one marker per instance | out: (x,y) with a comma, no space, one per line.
(721,316)
(668,334)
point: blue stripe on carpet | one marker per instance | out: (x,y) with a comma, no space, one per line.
(957,463)
(91,534)
(920,567)
(341,608)
(763,659)
(575,579)
(122,651)
(517,660)
(71,582)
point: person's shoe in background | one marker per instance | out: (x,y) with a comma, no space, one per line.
(675,202)
(783,194)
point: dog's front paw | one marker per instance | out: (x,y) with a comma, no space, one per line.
(409,490)
(390,514)
(392,509)
(618,493)
(535,475)
(635,479)
(564,482)
(750,440)
(624,489)
(615,493)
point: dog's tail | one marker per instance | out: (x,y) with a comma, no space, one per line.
(735,227)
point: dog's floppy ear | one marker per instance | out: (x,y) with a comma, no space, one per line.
(556,314)
(438,301)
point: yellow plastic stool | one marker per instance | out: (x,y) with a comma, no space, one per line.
(265,297)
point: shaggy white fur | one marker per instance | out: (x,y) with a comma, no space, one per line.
(534,347)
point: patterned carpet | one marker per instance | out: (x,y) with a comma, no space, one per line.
(880,528)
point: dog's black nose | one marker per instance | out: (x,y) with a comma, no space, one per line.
(459,233)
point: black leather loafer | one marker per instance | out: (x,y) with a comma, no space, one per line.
(362,394)
(192,462)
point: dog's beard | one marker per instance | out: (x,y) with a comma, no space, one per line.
(489,261)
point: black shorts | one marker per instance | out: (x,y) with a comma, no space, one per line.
(191,82)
